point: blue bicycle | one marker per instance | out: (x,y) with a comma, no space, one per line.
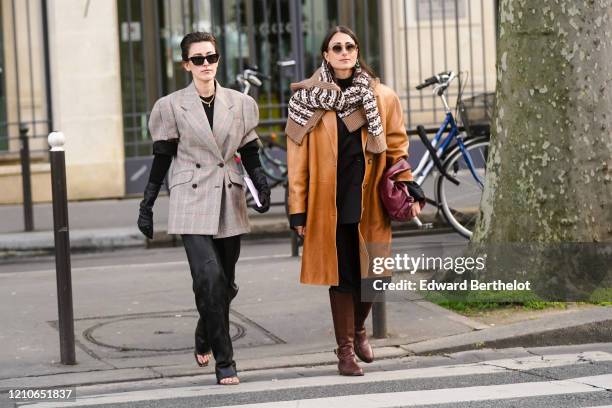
(459,156)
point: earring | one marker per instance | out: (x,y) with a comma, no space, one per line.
(357,65)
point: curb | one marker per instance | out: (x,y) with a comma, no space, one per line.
(586,326)
(38,243)
(42,242)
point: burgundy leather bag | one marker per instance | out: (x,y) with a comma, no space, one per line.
(394,194)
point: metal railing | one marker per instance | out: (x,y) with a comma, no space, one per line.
(441,35)
(25,97)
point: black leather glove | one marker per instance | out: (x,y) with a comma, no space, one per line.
(145,214)
(260,181)
(415,191)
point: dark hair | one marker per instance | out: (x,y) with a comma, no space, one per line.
(344,29)
(196,37)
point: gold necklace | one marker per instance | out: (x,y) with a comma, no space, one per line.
(208,102)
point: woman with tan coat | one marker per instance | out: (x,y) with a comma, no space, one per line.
(344,130)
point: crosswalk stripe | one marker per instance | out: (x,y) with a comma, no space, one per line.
(448,395)
(485,367)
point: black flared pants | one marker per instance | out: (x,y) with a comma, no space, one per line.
(213,265)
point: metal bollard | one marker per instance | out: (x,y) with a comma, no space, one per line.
(62,247)
(26,178)
(295,244)
(379,319)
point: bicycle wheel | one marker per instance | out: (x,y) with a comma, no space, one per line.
(460,203)
(274,162)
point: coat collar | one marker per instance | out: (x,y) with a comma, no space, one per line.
(376,87)
(196,117)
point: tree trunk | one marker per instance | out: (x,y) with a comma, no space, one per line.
(549,174)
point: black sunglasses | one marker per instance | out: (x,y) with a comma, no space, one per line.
(349,47)
(199,59)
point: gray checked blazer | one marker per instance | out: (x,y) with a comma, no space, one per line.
(207,191)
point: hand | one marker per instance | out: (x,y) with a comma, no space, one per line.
(145,222)
(260,181)
(415,191)
(300,230)
(145,214)
(415,210)
(264,199)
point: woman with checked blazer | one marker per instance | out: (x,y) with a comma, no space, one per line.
(196,133)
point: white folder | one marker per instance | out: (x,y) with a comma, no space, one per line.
(252,188)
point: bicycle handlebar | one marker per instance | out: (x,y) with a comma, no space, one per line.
(440,78)
(251,76)
(263,76)
(428,82)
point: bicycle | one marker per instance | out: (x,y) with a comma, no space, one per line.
(250,77)
(459,157)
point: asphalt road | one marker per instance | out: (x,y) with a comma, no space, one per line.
(568,376)
(251,250)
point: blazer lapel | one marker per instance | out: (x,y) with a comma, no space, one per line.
(196,117)
(224,119)
(331,127)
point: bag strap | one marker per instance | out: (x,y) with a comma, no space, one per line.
(399,167)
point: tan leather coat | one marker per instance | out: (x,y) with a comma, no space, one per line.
(312,190)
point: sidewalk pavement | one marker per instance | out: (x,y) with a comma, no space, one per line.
(111,224)
(134,322)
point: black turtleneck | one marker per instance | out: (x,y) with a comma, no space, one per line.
(350,170)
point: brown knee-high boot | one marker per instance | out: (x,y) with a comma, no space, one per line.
(344,328)
(363,349)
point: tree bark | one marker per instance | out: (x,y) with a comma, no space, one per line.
(549,173)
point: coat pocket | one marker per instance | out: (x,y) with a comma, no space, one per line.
(236,178)
(181,177)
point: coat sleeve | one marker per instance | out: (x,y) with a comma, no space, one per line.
(250,112)
(162,124)
(297,167)
(397,139)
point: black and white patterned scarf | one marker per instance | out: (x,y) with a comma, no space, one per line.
(356,106)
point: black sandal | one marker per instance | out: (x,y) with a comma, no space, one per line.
(230,383)
(226,372)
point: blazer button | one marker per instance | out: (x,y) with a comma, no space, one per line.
(194,185)
(229,185)
(221,164)
(198,166)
